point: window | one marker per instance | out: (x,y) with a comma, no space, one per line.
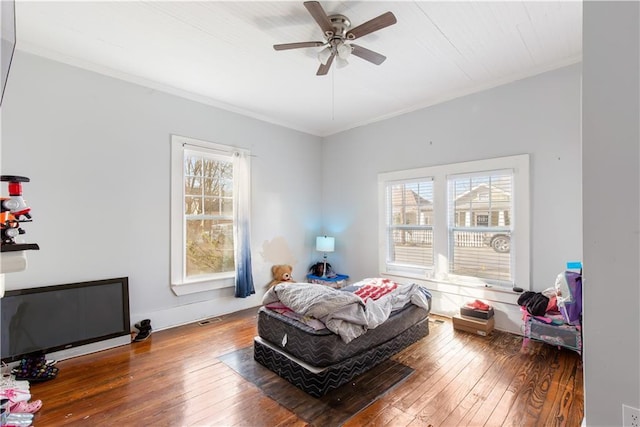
(479,211)
(202,215)
(457,223)
(409,212)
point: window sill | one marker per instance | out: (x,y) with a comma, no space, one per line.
(204,286)
(468,290)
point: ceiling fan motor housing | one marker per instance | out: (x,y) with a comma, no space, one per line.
(340,25)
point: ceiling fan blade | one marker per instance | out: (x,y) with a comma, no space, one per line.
(369,27)
(367,54)
(286,46)
(318,13)
(324,68)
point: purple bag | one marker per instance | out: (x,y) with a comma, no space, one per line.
(569,290)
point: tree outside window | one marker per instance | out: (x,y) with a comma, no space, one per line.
(208,210)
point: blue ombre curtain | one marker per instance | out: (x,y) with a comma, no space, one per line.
(242,229)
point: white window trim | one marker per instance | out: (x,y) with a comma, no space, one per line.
(179,284)
(521,226)
(397,266)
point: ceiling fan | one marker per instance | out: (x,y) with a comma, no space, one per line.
(337,32)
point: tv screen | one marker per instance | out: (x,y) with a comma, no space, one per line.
(8,28)
(53,318)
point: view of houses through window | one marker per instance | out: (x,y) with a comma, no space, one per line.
(479,226)
(411,216)
(471,228)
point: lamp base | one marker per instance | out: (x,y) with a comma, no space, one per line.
(327,271)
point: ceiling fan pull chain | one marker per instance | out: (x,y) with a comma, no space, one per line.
(333,96)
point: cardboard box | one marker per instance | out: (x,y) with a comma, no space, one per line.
(475,326)
(478,314)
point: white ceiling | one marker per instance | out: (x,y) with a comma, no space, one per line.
(221,53)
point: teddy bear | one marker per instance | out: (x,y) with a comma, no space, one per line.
(281,273)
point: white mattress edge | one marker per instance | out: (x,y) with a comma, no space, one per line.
(305,365)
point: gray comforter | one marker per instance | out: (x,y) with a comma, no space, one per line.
(344,313)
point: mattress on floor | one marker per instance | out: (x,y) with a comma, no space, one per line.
(323,347)
(317,381)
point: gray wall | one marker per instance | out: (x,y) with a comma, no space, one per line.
(611,199)
(538,115)
(97,151)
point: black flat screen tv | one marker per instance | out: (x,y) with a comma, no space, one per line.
(53,318)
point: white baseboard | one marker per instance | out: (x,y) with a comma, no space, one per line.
(90,348)
(190,313)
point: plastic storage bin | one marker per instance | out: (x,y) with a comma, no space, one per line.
(568,336)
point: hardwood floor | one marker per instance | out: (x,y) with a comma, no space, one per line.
(175,378)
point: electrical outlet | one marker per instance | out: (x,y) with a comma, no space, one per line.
(630,416)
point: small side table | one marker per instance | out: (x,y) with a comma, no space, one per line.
(339,281)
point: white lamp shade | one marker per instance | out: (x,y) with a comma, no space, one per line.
(344,51)
(323,55)
(325,244)
(341,63)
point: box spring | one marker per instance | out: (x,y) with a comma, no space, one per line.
(317,381)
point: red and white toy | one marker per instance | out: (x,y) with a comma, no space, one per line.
(14,210)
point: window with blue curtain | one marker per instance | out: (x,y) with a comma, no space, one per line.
(210,211)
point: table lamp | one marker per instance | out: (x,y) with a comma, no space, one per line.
(325,244)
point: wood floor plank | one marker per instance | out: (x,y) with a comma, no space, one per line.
(489,412)
(468,404)
(576,400)
(438,381)
(367,415)
(176,378)
(562,391)
(449,398)
(501,349)
(534,388)
(429,373)
(380,415)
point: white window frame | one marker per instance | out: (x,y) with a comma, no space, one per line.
(394,266)
(520,247)
(180,284)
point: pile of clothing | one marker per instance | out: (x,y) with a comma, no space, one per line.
(16,406)
(539,303)
(565,297)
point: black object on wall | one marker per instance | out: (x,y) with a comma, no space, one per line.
(8,28)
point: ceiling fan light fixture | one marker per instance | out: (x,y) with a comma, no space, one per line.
(344,50)
(323,55)
(341,62)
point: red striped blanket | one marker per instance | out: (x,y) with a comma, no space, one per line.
(376,289)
